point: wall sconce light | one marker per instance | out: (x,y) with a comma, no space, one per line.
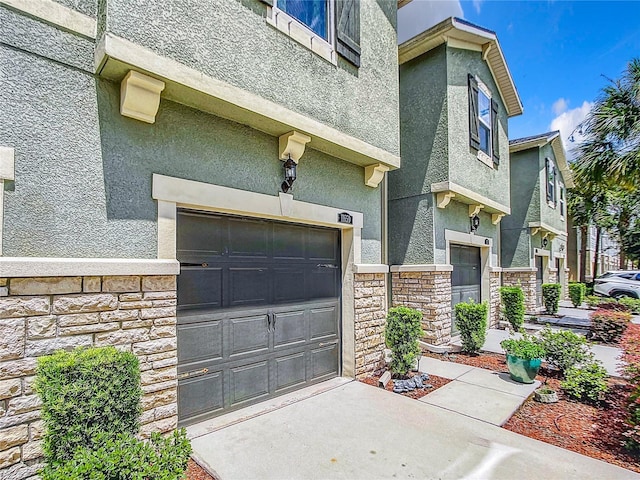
(545,242)
(475,223)
(289,175)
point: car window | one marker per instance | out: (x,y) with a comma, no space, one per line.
(628,276)
(637,277)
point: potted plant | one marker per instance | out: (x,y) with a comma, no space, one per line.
(546,394)
(524,357)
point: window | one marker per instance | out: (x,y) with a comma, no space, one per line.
(314,14)
(550,174)
(483,122)
(561,193)
(327,27)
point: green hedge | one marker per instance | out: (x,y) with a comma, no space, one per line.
(86,393)
(124,457)
(471,319)
(633,304)
(577,292)
(513,302)
(551,297)
(403,329)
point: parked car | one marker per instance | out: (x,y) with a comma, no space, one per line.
(618,283)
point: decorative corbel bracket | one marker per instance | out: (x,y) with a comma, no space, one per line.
(444,198)
(535,231)
(496,217)
(140,96)
(373,174)
(292,145)
(486,48)
(475,209)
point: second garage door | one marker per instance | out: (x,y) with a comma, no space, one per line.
(258,311)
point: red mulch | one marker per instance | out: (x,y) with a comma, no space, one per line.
(594,431)
(437,382)
(196,472)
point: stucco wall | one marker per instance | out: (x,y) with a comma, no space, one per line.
(424,149)
(88,7)
(548,214)
(464,167)
(83,172)
(232,41)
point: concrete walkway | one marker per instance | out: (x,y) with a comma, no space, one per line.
(355,431)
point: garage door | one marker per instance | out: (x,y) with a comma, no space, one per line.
(258,311)
(466,277)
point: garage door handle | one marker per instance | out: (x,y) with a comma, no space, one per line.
(326,265)
(274,318)
(271,321)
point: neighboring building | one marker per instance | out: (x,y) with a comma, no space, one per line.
(446,203)
(142,147)
(608,256)
(534,236)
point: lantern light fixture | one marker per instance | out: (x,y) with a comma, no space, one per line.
(289,174)
(475,223)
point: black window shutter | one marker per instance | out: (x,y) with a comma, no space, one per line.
(555,184)
(474,136)
(546,177)
(348,30)
(494,132)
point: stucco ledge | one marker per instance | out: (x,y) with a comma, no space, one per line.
(370,268)
(62,267)
(422,268)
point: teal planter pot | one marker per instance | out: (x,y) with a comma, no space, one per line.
(523,371)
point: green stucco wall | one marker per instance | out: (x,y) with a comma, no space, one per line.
(464,167)
(548,214)
(83,172)
(87,7)
(232,41)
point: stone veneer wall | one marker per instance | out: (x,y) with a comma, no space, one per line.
(429,292)
(370,317)
(41,315)
(494,312)
(553,275)
(527,281)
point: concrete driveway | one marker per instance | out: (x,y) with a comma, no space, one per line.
(355,431)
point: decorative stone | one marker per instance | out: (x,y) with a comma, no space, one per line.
(17,368)
(162,426)
(158,312)
(36,430)
(78,319)
(45,285)
(119,337)
(12,334)
(24,418)
(13,436)
(156,399)
(18,405)
(23,306)
(156,376)
(130,297)
(10,388)
(9,457)
(121,284)
(36,348)
(92,328)
(41,327)
(159,283)
(32,450)
(91,284)
(85,303)
(119,316)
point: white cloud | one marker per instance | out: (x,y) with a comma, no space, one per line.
(477,4)
(560,106)
(420,15)
(567,121)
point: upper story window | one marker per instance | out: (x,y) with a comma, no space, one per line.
(483,122)
(551,180)
(561,194)
(314,14)
(327,27)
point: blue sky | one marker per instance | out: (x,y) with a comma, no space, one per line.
(558,52)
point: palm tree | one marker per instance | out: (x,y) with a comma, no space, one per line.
(610,152)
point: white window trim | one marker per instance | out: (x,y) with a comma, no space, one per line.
(482,156)
(302,34)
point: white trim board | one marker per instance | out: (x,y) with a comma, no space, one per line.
(55,14)
(16,267)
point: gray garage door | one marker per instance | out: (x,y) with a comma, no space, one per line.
(258,311)
(466,277)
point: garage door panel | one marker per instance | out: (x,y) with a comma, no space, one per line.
(201,395)
(200,341)
(200,287)
(324,361)
(290,329)
(288,285)
(248,335)
(323,322)
(200,235)
(322,245)
(290,371)
(248,238)
(248,286)
(248,382)
(289,242)
(322,283)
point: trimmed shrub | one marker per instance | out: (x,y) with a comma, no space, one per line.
(471,319)
(630,369)
(593,301)
(577,293)
(513,303)
(403,329)
(527,348)
(551,297)
(608,325)
(587,383)
(633,304)
(564,349)
(124,457)
(84,393)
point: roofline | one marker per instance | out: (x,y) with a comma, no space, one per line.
(555,140)
(459,30)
